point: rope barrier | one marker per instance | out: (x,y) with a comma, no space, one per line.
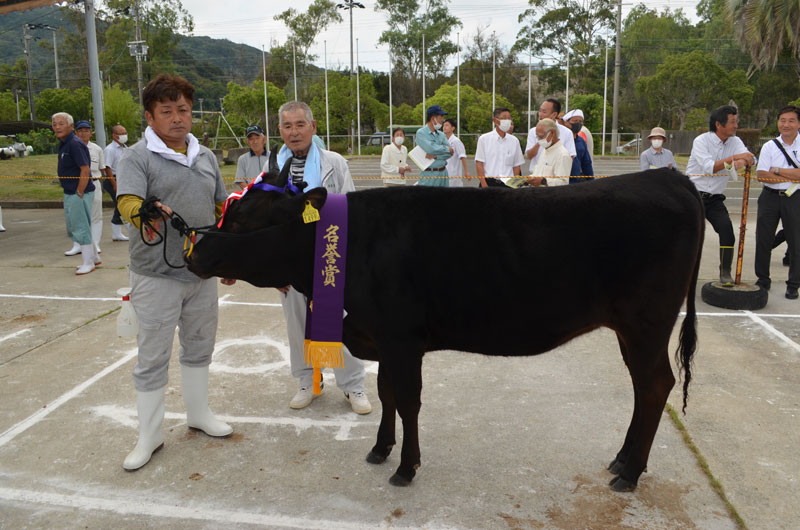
(231,179)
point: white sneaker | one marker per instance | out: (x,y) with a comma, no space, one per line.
(359,402)
(304,397)
(76,249)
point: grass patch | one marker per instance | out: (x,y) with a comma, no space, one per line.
(31,189)
(715,484)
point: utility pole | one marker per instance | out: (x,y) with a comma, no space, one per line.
(615,109)
(138,49)
(350,4)
(16,96)
(55,55)
(27,39)
(94,74)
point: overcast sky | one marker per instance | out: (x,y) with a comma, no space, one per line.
(251,22)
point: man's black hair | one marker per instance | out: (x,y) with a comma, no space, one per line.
(452,123)
(556,104)
(721,115)
(789,108)
(499,110)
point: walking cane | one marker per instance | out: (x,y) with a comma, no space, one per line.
(743,224)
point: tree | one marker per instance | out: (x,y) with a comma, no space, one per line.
(592,107)
(77,103)
(119,106)
(553,27)
(305,27)
(408,21)
(8,107)
(686,81)
(244,105)
(374,114)
(765,28)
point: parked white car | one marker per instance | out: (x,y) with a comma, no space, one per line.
(632,147)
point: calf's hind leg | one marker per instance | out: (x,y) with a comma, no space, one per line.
(386,431)
(653,380)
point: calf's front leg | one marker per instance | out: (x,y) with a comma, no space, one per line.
(386,431)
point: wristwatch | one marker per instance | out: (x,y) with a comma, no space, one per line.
(777,171)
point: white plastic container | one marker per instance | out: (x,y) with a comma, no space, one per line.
(127,323)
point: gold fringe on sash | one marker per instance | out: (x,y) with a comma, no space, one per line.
(322,355)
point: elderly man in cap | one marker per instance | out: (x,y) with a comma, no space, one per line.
(550,108)
(250,165)
(657,155)
(75,176)
(98,169)
(582,168)
(433,141)
(576,116)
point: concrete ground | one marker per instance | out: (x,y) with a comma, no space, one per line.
(506,443)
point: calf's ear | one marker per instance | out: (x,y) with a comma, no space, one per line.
(317,197)
(273,171)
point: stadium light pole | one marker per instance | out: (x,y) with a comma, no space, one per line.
(617,61)
(266,101)
(458,84)
(390,90)
(327,108)
(358,101)
(605,99)
(350,4)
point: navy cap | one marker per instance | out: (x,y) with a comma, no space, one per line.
(254,129)
(436,110)
(83,123)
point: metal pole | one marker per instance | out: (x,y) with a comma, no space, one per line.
(16,96)
(266,101)
(494,61)
(566,104)
(350,6)
(743,224)
(358,102)
(530,58)
(294,63)
(617,61)
(139,76)
(458,84)
(55,58)
(327,111)
(94,74)
(424,115)
(605,99)
(27,39)
(390,90)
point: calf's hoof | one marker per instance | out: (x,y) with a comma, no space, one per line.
(615,467)
(376,458)
(621,484)
(397,480)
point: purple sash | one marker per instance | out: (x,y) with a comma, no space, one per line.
(323,344)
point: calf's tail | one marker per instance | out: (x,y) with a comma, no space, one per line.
(688,335)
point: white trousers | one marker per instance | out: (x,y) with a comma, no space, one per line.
(348,379)
(161,305)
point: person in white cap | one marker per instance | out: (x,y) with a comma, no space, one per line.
(657,155)
(577,116)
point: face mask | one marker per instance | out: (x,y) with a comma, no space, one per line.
(544,143)
(576,127)
(505,125)
(657,143)
(398,140)
(123,138)
(437,125)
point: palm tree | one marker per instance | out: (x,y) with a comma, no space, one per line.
(765,28)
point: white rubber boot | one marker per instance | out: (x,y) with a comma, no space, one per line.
(88,255)
(150,406)
(2,228)
(194,385)
(97,233)
(76,249)
(116,233)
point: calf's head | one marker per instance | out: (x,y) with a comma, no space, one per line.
(262,238)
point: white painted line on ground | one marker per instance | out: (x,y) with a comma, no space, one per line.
(743,314)
(37,297)
(222,301)
(138,506)
(771,329)
(13,335)
(39,415)
(128,417)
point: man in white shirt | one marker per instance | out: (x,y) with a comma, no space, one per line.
(554,162)
(550,108)
(498,156)
(777,169)
(98,170)
(456,164)
(113,153)
(715,153)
